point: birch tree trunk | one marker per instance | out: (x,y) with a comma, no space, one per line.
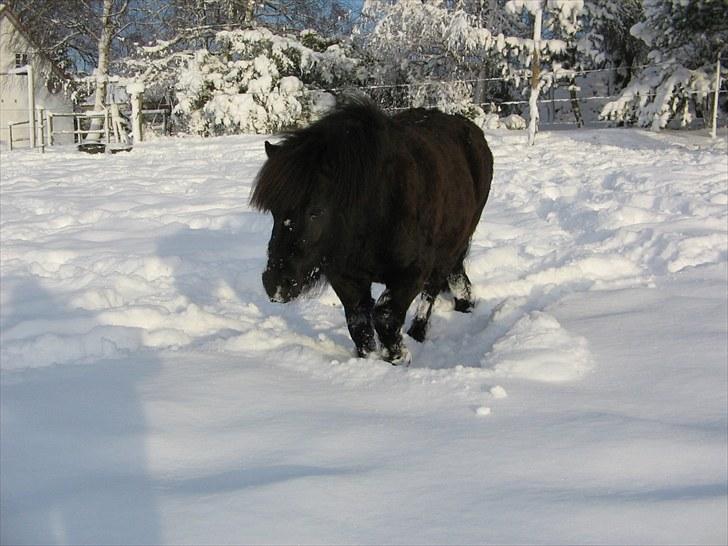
(102,70)
(535,79)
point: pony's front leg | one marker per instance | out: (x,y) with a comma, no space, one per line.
(389,314)
(356,297)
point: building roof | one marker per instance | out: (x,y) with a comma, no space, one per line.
(5,11)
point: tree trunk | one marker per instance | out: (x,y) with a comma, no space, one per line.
(479,92)
(535,77)
(102,70)
(249,11)
(575,107)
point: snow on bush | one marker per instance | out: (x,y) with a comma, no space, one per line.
(514,121)
(255,81)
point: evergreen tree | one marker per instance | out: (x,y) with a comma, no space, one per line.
(606,41)
(684,39)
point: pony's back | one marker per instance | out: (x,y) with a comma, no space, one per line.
(468,139)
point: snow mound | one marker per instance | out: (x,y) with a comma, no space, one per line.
(538,348)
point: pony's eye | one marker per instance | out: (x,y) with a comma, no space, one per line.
(314,214)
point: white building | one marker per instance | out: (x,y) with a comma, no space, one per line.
(16,51)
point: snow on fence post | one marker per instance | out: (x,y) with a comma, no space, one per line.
(135,90)
(535,77)
(714,121)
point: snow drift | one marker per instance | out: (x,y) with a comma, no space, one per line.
(147,379)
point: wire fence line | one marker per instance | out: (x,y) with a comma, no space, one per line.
(401,96)
(587,99)
(559,73)
(495,102)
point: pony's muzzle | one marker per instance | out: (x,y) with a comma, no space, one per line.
(280,289)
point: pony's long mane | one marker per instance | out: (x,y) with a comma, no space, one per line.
(339,157)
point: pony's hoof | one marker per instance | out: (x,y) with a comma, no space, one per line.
(367,354)
(417,330)
(404,358)
(464,306)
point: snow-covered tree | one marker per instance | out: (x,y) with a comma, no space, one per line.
(208,16)
(422,46)
(555,52)
(684,39)
(328,17)
(561,22)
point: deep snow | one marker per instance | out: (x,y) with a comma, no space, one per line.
(151,393)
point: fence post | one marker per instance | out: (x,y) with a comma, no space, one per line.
(136,89)
(50,128)
(42,127)
(107,131)
(10,134)
(714,123)
(31,104)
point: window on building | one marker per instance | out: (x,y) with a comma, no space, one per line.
(21,59)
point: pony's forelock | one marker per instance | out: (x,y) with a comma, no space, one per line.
(286,179)
(345,145)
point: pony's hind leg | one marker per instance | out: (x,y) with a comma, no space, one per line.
(421,320)
(461,289)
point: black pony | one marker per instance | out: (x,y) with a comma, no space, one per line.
(360,197)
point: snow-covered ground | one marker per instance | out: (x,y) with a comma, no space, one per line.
(152,394)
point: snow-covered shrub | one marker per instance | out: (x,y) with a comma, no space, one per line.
(684,39)
(257,81)
(249,80)
(513,122)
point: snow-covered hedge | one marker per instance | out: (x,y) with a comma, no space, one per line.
(255,81)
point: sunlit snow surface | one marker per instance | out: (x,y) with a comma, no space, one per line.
(152,394)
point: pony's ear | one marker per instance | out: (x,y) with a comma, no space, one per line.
(271,149)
